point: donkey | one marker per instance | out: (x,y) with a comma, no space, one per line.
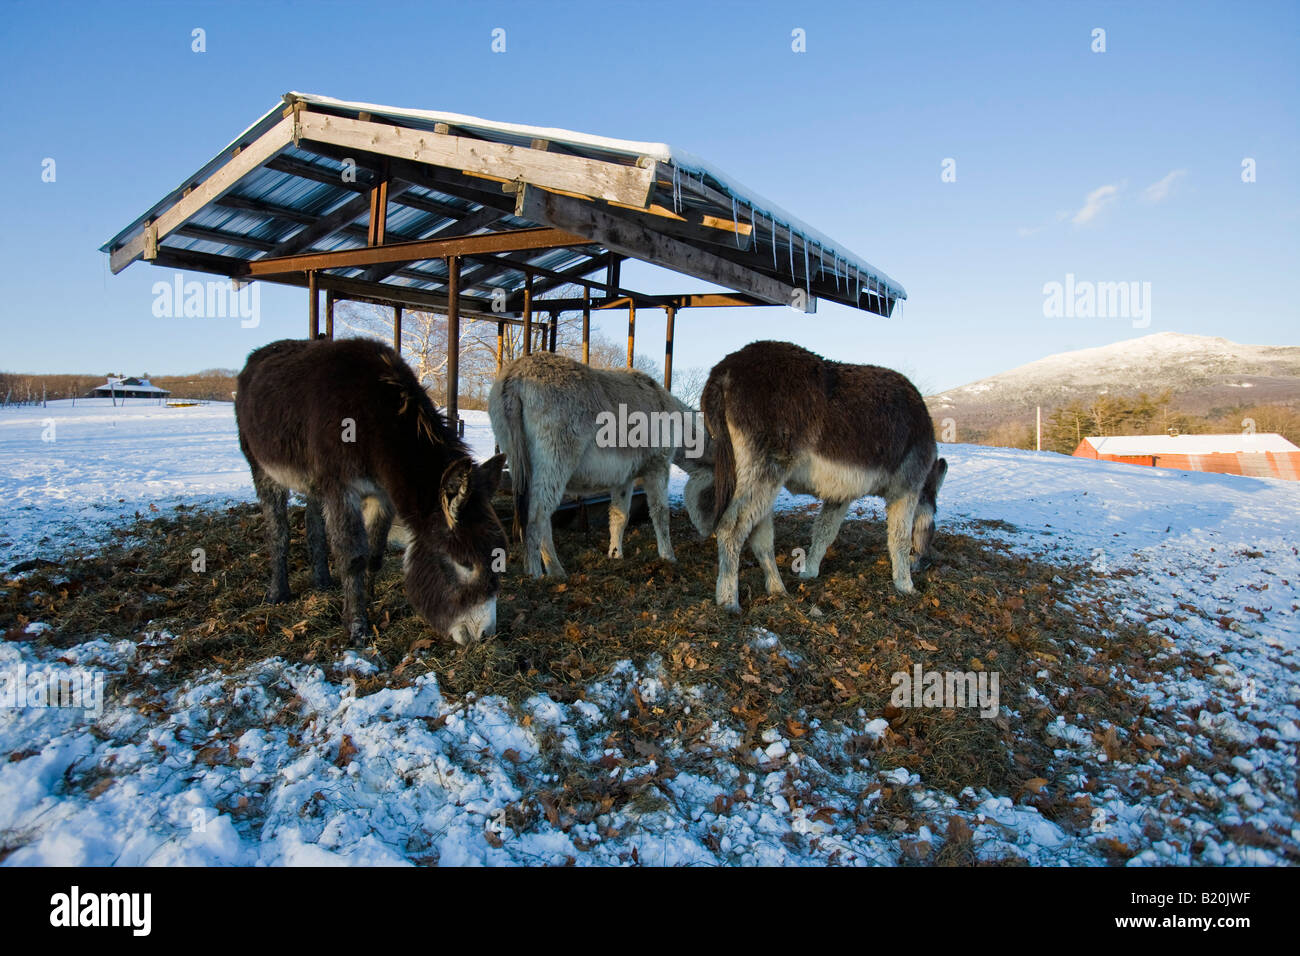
(565,425)
(781,415)
(348,424)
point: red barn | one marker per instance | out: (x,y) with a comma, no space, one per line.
(1257,455)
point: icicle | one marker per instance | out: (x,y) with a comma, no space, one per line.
(753,230)
(807,275)
(774,243)
(677,190)
(735,223)
(790,239)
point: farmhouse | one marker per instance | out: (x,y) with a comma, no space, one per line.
(1258,455)
(128,388)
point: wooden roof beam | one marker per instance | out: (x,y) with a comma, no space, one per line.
(507,241)
(465,226)
(641,298)
(639,241)
(145,243)
(589,177)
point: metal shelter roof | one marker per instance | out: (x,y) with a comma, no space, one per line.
(372,199)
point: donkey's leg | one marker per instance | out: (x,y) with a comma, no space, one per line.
(825,527)
(275,510)
(377,513)
(900,514)
(318,546)
(620,507)
(655,482)
(748,506)
(539,545)
(347,532)
(760,542)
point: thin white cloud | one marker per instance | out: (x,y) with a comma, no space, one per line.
(1159,191)
(1098,198)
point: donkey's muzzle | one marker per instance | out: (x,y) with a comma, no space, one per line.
(477,624)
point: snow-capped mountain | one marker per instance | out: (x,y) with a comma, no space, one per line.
(1203,372)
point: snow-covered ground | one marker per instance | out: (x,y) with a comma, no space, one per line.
(404,775)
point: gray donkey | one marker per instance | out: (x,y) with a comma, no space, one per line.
(781,415)
(567,426)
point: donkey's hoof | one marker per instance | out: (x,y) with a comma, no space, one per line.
(808,574)
(325,584)
(358,633)
(275,596)
(732,608)
(904,587)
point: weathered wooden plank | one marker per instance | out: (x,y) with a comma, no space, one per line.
(506,241)
(277,138)
(637,240)
(626,184)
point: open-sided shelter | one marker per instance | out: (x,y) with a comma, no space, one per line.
(479,220)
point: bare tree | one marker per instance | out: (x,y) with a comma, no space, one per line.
(688,384)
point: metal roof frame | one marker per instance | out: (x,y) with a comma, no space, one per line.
(302,182)
(465,216)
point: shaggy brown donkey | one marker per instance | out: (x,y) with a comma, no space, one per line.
(781,415)
(346,422)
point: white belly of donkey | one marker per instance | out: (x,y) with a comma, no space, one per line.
(833,480)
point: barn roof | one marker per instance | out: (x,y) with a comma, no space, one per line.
(1138,445)
(372,199)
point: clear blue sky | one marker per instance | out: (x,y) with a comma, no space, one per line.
(849,135)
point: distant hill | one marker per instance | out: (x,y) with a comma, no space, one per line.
(1205,374)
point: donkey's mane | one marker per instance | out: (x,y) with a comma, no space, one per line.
(430,426)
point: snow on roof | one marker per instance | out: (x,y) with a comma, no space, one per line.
(680,159)
(124,385)
(1132,445)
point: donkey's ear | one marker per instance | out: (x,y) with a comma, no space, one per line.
(456,483)
(490,472)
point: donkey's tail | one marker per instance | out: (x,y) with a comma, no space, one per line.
(713,403)
(506,411)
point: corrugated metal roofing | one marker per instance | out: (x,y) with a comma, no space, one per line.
(302,184)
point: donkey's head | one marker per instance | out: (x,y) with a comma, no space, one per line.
(696,456)
(923,525)
(453,564)
(699,501)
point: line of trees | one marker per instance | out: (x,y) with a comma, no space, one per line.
(214,384)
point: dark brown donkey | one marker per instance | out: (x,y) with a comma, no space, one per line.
(781,415)
(347,422)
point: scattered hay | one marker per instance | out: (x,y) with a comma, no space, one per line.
(841,637)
